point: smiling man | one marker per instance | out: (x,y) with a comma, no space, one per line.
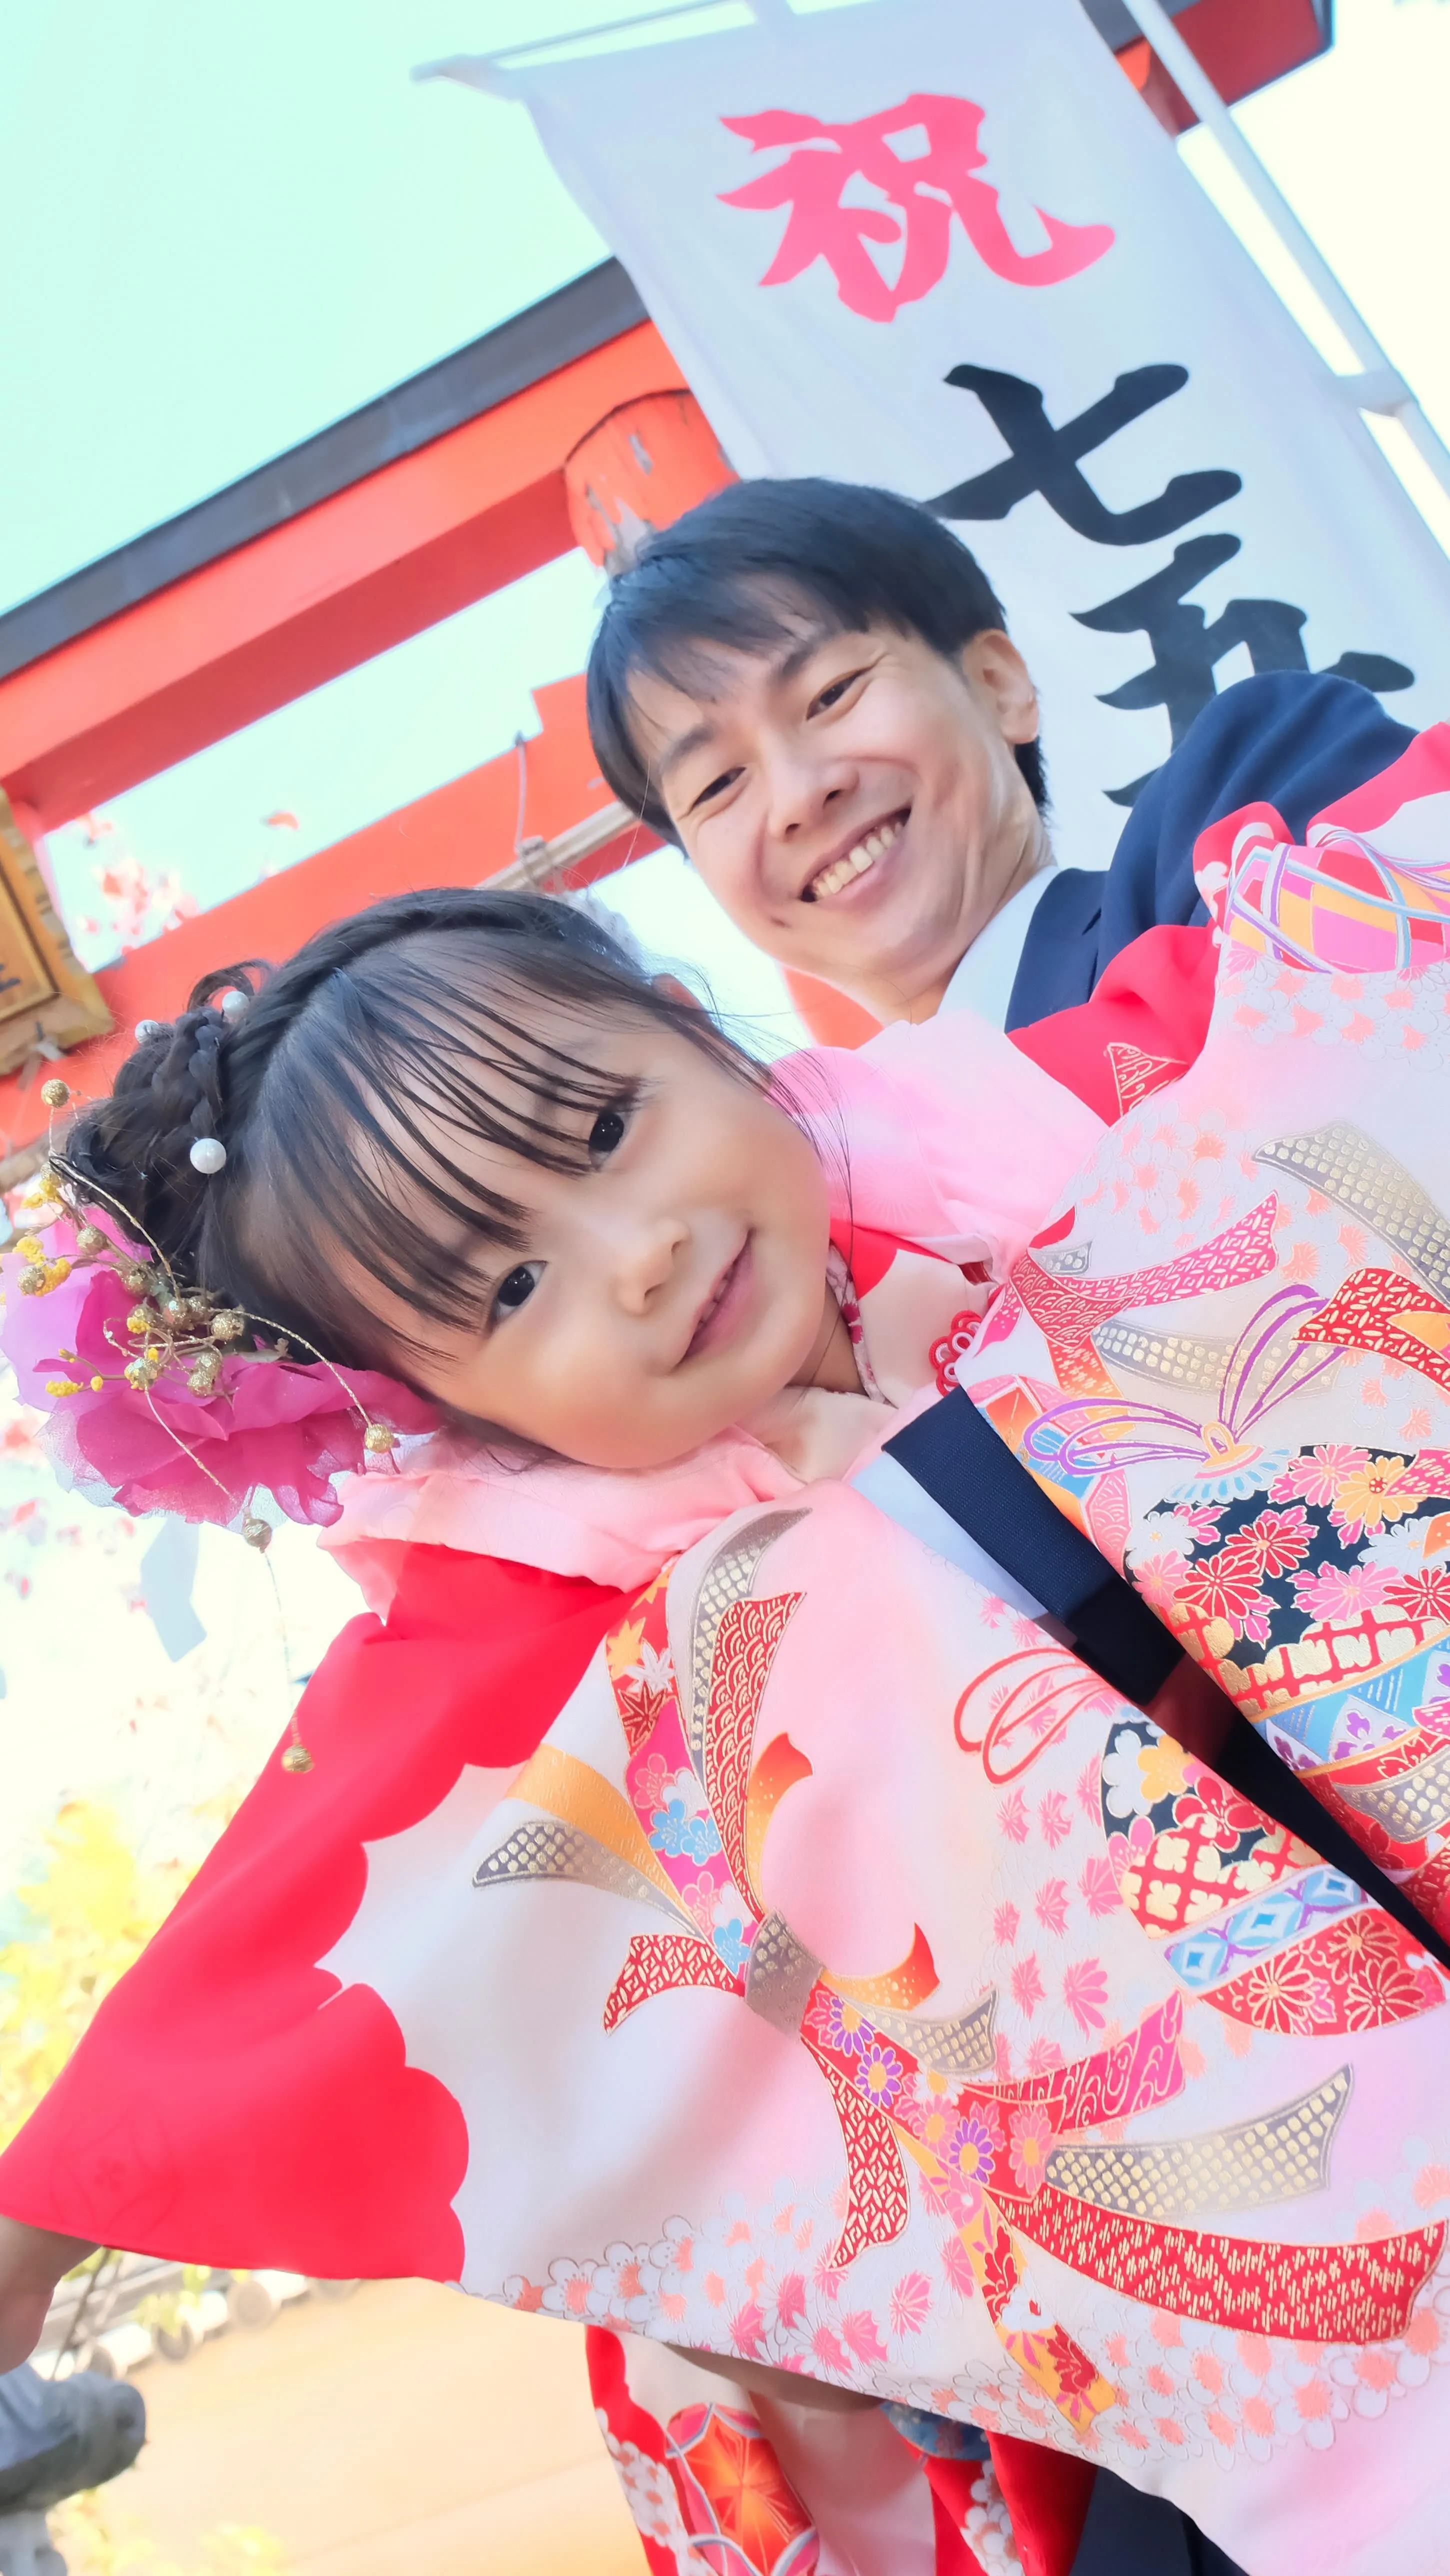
(809,686)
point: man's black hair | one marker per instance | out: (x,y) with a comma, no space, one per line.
(740,569)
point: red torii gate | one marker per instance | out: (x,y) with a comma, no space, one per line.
(567,425)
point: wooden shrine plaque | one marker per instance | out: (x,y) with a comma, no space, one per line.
(47,1000)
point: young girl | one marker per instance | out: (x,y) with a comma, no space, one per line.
(579,1951)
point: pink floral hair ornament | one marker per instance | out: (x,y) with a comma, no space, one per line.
(145,1404)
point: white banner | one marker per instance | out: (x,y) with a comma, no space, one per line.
(942,245)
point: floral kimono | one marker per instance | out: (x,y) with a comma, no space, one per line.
(714,1917)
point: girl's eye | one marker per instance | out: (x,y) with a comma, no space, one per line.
(517,1288)
(606,1134)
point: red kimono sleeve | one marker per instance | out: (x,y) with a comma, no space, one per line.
(232,2101)
(1144,1025)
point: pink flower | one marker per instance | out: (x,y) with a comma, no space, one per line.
(826,2277)
(1005,1924)
(1099,1885)
(790,2300)
(910,2304)
(276,1424)
(1318,1473)
(650,1783)
(1198,1522)
(1030,2147)
(1347,1592)
(1160,1579)
(1051,1906)
(859,2330)
(747,2329)
(1043,2057)
(1055,1818)
(829,2349)
(956,2264)
(1028,1989)
(1012,1816)
(1085,1993)
(699,1900)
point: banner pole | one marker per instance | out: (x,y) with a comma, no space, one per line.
(1379,387)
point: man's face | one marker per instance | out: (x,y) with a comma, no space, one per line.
(852,800)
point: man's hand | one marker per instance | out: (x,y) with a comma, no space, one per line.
(32,2260)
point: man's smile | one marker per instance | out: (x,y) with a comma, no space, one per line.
(857,859)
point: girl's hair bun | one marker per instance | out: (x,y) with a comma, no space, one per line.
(135,1148)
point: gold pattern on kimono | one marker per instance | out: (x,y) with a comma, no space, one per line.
(1066,1260)
(1282,2156)
(579,1795)
(1349,1167)
(1410,1807)
(548,1848)
(961,2045)
(1178,1359)
(780,1976)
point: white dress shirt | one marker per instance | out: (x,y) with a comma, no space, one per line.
(983,982)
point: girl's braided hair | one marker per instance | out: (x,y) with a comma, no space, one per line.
(341,1092)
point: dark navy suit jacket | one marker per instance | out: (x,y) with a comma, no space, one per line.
(1292,739)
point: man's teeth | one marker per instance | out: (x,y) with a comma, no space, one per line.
(856,862)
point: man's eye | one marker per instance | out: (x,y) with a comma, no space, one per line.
(517,1288)
(716,787)
(834,691)
(606,1134)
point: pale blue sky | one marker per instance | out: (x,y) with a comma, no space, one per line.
(226,232)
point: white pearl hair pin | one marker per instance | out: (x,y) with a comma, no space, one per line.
(208,1154)
(234,1004)
(148,1029)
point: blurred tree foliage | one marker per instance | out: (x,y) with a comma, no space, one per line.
(96,2540)
(93,1907)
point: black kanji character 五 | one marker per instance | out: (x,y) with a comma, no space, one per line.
(1186,649)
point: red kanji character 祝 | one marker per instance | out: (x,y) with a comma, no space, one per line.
(926,188)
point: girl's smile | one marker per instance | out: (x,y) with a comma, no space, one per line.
(727,1305)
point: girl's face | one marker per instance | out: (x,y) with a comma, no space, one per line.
(666,1291)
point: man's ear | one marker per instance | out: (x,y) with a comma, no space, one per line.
(997,675)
